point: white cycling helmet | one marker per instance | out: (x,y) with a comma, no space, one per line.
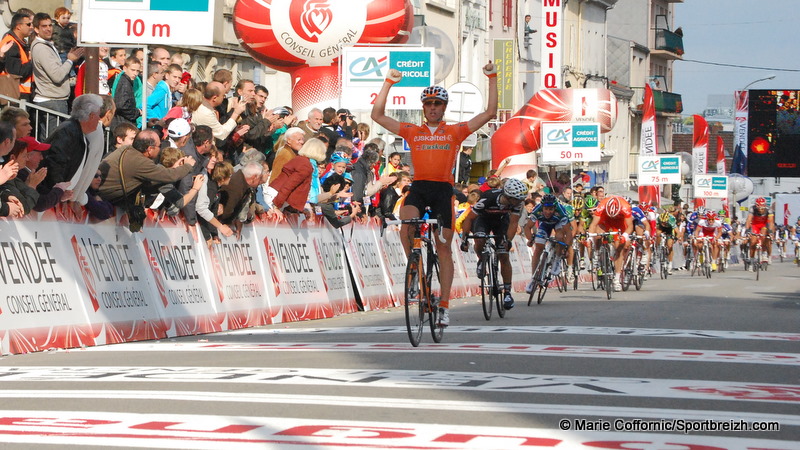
(515,189)
(434,93)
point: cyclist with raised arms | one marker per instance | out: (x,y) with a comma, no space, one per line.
(550,215)
(434,149)
(761,221)
(614,214)
(497,212)
(667,224)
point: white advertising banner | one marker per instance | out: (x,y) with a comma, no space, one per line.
(240,280)
(365,68)
(369,271)
(710,186)
(787,209)
(40,305)
(295,272)
(570,142)
(656,170)
(181,277)
(161,22)
(115,279)
(395,259)
(330,250)
(551,35)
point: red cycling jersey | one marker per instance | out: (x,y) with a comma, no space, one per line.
(433,154)
(616,223)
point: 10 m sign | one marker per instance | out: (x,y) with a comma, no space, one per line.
(138,28)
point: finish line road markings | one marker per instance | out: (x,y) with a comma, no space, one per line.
(601,331)
(411,404)
(414,379)
(214,432)
(574,351)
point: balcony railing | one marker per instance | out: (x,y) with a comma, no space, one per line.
(665,102)
(668,41)
(668,102)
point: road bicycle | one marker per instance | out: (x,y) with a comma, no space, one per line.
(582,241)
(491,291)
(724,254)
(547,269)
(757,262)
(663,256)
(422,280)
(702,263)
(605,261)
(632,270)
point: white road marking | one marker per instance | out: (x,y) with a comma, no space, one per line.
(213,432)
(575,351)
(415,379)
(602,331)
(402,403)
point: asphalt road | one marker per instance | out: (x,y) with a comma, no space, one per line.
(683,363)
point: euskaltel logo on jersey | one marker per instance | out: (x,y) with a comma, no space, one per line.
(310,18)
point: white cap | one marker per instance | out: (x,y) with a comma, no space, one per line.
(179,128)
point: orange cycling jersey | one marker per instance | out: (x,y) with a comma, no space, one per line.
(433,155)
(616,223)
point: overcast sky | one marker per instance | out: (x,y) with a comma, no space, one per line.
(757,33)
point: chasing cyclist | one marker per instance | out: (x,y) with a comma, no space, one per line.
(550,215)
(709,226)
(434,149)
(667,225)
(614,214)
(497,212)
(761,221)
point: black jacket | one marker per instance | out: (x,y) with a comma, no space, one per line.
(66,154)
(125,100)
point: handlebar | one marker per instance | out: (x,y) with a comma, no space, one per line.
(418,221)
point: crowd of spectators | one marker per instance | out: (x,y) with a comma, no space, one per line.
(211,151)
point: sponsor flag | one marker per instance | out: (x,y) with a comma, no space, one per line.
(648,145)
(700,151)
(739,164)
(721,170)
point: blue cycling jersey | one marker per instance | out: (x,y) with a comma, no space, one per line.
(559,215)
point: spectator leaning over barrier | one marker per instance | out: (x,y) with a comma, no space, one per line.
(52,87)
(76,147)
(19,119)
(140,170)
(333,186)
(169,199)
(15,186)
(365,184)
(10,204)
(18,57)
(208,206)
(199,145)
(28,154)
(293,184)
(294,139)
(127,108)
(213,96)
(238,197)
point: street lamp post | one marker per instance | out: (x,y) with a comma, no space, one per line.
(758,81)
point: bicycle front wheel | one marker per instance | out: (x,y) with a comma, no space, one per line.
(487,285)
(414,300)
(434,292)
(608,270)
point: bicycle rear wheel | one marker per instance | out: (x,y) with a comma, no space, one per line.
(627,271)
(757,263)
(593,275)
(664,263)
(487,285)
(576,270)
(434,286)
(414,300)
